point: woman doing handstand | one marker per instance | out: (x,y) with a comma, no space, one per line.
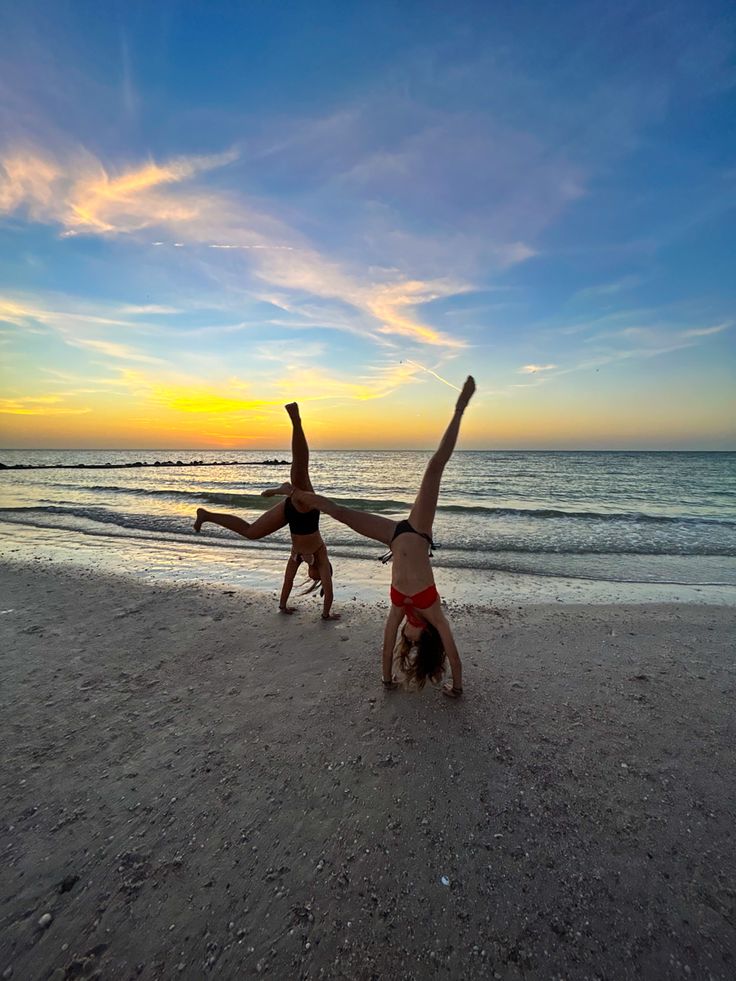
(413,592)
(307,544)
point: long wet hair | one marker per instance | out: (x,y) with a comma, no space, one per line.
(429,661)
(316,583)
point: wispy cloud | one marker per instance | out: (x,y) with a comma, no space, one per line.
(233,397)
(81,197)
(283,351)
(649,342)
(376,383)
(658,335)
(229,246)
(611,288)
(479,188)
(707,331)
(276,248)
(148,308)
(533,369)
(75,327)
(42,405)
(389,303)
(113,349)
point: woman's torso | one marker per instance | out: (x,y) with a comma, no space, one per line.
(304,527)
(411,570)
(307,544)
(301,522)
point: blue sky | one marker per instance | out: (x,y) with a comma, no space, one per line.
(209,209)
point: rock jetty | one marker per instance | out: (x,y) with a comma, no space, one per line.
(143,463)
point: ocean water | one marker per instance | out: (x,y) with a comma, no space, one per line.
(607,516)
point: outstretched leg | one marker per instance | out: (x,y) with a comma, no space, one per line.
(369,525)
(299,450)
(267,524)
(425,505)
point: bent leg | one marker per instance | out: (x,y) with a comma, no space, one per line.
(299,450)
(425,505)
(268,523)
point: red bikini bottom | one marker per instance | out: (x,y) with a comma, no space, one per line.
(419,601)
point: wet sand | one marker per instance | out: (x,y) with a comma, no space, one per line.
(193,785)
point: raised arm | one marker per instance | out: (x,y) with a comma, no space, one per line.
(289,574)
(327,599)
(325,570)
(395,616)
(456,666)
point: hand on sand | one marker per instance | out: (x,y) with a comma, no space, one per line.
(451,691)
(390,685)
(288,609)
(199,519)
(466,394)
(330,616)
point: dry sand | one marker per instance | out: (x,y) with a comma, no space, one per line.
(194,786)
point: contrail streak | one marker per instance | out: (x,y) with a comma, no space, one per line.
(430,372)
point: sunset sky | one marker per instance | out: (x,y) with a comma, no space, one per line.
(208,209)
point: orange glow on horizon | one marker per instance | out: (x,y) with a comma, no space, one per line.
(168,417)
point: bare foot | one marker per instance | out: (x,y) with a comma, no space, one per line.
(287,609)
(283,490)
(201,517)
(293,409)
(466,394)
(330,616)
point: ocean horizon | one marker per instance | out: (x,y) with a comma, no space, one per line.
(665,516)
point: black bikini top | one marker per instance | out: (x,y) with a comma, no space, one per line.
(403,528)
(300,522)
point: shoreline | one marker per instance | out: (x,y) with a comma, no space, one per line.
(192,783)
(250,565)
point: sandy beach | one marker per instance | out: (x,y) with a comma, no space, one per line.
(193,785)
